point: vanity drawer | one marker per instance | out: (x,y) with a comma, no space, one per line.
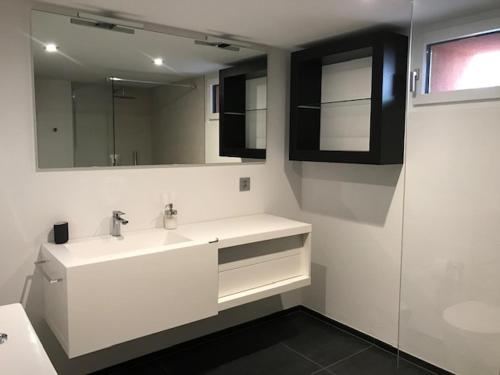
(235,280)
(254,265)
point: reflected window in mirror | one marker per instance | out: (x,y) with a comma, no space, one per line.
(214,98)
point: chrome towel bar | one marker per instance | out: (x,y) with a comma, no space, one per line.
(44,274)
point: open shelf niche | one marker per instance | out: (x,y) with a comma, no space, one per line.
(243,109)
(348,100)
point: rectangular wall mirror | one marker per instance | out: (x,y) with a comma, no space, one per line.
(110,93)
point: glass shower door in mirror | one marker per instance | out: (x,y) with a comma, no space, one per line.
(450,292)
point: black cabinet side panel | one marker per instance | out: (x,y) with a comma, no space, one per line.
(394,99)
(305,105)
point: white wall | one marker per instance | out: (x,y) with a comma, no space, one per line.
(356,213)
(30,201)
(451,236)
(179,123)
(93,124)
(54,111)
(133,125)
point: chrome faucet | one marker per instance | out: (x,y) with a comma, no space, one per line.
(170,217)
(169,210)
(116,229)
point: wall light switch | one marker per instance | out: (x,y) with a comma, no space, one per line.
(244,183)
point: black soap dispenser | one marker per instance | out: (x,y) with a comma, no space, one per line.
(61,232)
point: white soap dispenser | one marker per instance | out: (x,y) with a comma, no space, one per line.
(170,217)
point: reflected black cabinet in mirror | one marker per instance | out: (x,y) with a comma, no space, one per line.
(347,101)
(243,109)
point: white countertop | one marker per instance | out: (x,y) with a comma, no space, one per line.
(243,229)
(228,232)
(22,353)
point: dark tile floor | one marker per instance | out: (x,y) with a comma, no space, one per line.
(294,344)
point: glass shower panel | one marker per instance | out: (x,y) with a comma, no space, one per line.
(450,282)
(133,119)
(92,123)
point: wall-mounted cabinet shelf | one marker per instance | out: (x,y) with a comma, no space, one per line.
(318,106)
(245,113)
(242,131)
(348,100)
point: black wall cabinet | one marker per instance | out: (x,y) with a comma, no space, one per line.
(348,99)
(233,111)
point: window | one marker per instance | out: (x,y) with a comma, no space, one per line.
(464,63)
(215,98)
(212,97)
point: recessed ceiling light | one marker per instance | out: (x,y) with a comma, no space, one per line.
(51,47)
(158,61)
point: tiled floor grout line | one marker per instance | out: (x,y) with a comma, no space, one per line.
(319,371)
(305,357)
(416,365)
(343,330)
(236,331)
(327,368)
(371,344)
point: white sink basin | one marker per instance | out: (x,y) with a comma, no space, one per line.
(131,242)
(98,249)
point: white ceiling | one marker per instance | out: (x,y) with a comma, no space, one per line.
(281,23)
(431,10)
(91,54)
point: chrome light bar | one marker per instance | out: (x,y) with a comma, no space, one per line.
(106,23)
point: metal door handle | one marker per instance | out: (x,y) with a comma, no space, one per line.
(414,77)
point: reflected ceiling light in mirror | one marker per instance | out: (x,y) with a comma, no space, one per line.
(158,61)
(51,47)
(163,64)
